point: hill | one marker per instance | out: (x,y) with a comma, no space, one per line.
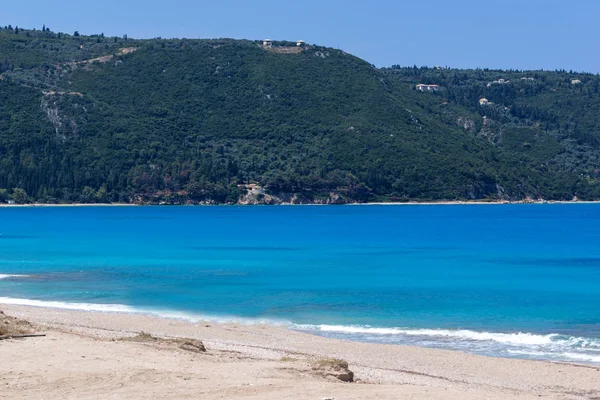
(98,119)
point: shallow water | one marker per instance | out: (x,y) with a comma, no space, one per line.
(506,280)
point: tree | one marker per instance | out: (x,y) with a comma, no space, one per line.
(20,196)
(101,195)
(88,195)
(3,195)
(76,33)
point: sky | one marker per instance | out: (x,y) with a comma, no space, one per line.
(508,34)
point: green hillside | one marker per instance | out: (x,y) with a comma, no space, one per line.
(88,119)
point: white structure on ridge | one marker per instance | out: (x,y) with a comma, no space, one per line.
(427,88)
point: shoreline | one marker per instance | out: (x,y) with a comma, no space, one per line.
(408,203)
(383,370)
(354,333)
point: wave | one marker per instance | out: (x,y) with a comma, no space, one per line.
(583,357)
(553,346)
(119,308)
(125,309)
(8,276)
(566,356)
(507,338)
(530,345)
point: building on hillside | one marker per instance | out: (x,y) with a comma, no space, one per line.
(268,43)
(300,43)
(575,82)
(484,102)
(500,81)
(427,88)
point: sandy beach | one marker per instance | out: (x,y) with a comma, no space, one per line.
(84,356)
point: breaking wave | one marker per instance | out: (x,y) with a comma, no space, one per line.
(121,308)
(550,347)
(8,276)
(554,346)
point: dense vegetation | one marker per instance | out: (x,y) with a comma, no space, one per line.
(98,119)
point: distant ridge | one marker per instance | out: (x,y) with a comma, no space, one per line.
(174,121)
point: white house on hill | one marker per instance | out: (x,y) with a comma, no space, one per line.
(427,88)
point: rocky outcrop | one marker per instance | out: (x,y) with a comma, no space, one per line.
(256,194)
(467,124)
(333,368)
(491,130)
(192,345)
(14,326)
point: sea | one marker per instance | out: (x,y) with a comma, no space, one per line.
(518,281)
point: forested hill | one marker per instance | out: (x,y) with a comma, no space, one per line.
(104,119)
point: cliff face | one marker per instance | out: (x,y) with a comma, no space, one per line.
(94,119)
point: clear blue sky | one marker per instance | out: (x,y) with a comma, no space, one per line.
(520,34)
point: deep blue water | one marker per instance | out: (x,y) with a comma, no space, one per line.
(505,280)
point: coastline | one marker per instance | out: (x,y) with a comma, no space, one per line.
(69,205)
(80,358)
(408,203)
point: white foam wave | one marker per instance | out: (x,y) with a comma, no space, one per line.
(68,306)
(552,340)
(6,276)
(560,356)
(549,347)
(582,357)
(529,353)
(121,308)
(519,338)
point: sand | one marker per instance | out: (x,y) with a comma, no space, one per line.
(82,358)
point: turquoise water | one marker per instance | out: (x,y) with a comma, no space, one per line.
(510,280)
